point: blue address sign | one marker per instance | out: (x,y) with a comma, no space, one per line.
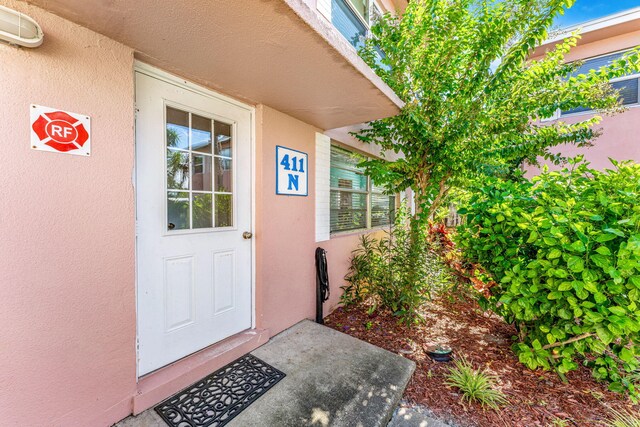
(292,175)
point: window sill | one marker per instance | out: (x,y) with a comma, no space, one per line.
(358,232)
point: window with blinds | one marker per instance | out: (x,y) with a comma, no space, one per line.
(347,21)
(627,86)
(355,203)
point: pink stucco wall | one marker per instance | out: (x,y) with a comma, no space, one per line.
(285,231)
(620,138)
(284,227)
(67,342)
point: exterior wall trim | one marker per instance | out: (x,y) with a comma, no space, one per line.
(323,210)
(596,24)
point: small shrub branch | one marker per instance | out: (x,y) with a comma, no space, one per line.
(569,341)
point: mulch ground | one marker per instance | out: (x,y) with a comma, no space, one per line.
(536,398)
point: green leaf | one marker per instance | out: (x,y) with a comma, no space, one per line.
(594,317)
(566,315)
(575,264)
(532,237)
(578,246)
(600,297)
(600,260)
(604,334)
(591,287)
(565,286)
(618,310)
(554,253)
(603,250)
(616,387)
(614,231)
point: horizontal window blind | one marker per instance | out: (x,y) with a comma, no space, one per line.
(348,211)
(382,209)
(597,63)
(348,23)
(628,88)
(628,91)
(354,202)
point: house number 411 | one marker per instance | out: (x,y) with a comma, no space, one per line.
(292,164)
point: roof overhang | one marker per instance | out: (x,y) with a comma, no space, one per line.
(597,29)
(279,52)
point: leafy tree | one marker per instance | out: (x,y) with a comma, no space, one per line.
(472,97)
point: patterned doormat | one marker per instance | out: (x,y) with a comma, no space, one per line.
(217,398)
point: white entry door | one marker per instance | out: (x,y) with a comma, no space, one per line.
(193,220)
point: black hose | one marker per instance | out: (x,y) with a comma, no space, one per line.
(322,283)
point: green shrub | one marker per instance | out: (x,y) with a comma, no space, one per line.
(559,422)
(475,385)
(397,271)
(623,419)
(564,250)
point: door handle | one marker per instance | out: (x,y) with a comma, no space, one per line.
(247,235)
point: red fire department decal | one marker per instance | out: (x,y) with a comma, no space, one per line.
(60,131)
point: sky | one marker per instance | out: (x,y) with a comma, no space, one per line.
(586,10)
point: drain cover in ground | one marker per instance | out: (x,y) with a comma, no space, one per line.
(216,399)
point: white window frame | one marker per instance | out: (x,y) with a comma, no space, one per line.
(369,192)
(366,20)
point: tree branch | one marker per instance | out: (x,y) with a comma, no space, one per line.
(569,341)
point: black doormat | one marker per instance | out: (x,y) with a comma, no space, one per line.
(217,398)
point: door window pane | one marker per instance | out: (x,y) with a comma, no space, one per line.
(200,134)
(223,175)
(202,210)
(178,210)
(223,139)
(177,128)
(194,160)
(177,170)
(201,166)
(224,210)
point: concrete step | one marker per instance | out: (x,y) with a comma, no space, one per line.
(332,379)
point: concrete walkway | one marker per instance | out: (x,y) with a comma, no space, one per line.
(332,380)
(415,416)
